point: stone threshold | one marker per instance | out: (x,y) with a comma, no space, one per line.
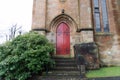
(62,56)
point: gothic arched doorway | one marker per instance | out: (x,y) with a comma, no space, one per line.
(63,39)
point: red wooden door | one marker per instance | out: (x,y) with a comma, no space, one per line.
(63,39)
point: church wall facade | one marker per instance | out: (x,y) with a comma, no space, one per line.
(79,16)
(108,43)
(39,14)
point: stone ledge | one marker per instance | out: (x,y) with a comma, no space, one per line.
(85,29)
(103,34)
(41,29)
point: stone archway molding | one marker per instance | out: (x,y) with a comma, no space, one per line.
(63,18)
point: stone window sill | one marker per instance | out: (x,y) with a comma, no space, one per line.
(103,34)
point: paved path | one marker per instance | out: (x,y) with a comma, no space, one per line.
(105,78)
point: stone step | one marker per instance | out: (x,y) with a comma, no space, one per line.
(62,58)
(62,78)
(65,64)
(65,68)
(57,60)
(65,60)
(61,73)
(58,77)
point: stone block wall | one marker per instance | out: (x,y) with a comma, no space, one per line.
(85,14)
(80,13)
(39,14)
(44,11)
(109,43)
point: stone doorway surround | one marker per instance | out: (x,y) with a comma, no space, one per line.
(51,35)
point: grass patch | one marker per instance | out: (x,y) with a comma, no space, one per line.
(104,72)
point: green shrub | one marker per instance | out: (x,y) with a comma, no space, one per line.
(25,55)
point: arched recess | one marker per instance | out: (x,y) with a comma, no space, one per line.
(68,21)
(63,39)
(63,18)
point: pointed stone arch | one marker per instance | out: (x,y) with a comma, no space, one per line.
(63,18)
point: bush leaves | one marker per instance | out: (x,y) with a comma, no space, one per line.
(25,55)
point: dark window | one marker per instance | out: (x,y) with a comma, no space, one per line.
(103,14)
(97,21)
(96,3)
(97,16)
(96,9)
